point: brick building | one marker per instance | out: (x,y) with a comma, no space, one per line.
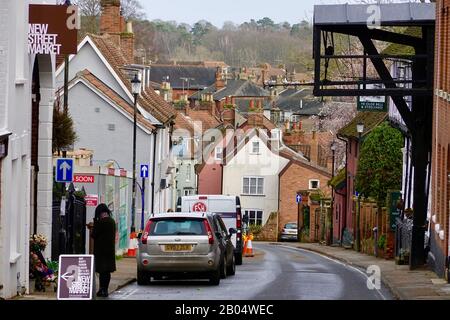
(440,181)
(345,219)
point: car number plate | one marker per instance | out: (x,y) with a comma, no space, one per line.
(178,247)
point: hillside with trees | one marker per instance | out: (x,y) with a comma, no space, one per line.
(246,44)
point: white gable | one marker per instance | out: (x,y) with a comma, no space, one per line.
(265,162)
(87,58)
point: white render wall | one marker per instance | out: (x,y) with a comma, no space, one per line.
(266,164)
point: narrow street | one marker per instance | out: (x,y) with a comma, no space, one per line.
(276,272)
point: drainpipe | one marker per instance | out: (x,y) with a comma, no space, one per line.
(155,133)
(346,186)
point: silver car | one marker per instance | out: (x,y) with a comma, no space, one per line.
(289,231)
(189,244)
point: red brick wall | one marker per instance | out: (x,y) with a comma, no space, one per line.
(293,180)
(441,126)
(352,166)
(110,21)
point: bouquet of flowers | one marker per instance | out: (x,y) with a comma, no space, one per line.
(39,269)
(38,242)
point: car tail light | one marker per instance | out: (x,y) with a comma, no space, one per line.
(208,231)
(146,232)
(238,218)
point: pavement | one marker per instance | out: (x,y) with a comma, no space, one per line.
(124,275)
(405,284)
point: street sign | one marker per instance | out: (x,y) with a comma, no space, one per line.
(298,198)
(393,198)
(91,200)
(64,170)
(144,170)
(377,103)
(79,178)
(75,277)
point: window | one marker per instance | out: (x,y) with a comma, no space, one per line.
(218,153)
(253,186)
(314,184)
(255,147)
(111,127)
(254,216)
(188,192)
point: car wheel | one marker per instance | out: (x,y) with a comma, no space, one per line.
(231,269)
(238,258)
(143,278)
(214,278)
(223,268)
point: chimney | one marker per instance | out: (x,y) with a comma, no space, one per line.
(110,19)
(229,112)
(314,148)
(220,81)
(127,43)
(255,115)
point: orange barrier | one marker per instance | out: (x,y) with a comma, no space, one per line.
(249,247)
(133,245)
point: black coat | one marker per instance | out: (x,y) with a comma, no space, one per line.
(104,234)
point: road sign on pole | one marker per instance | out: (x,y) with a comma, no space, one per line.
(64,170)
(75,277)
(144,170)
(298,198)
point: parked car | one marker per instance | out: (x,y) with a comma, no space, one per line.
(228,207)
(197,245)
(289,231)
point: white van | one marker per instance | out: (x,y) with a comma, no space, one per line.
(228,207)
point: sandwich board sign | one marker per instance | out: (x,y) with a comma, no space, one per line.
(76,277)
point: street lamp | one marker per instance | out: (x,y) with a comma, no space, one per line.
(136,90)
(360,130)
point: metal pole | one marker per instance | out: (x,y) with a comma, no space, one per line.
(143,203)
(133,200)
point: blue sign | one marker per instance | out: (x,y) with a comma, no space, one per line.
(298,198)
(64,170)
(144,170)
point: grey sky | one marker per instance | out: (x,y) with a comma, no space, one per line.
(238,11)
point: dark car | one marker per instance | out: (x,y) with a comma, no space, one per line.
(195,245)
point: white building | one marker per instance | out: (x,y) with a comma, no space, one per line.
(25,176)
(252,174)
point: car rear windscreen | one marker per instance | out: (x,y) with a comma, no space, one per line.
(290,226)
(177,226)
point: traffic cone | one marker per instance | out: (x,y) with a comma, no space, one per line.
(249,251)
(133,245)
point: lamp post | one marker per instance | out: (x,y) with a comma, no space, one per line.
(136,90)
(333,151)
(360,130)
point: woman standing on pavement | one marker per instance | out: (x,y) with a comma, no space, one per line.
(104,234)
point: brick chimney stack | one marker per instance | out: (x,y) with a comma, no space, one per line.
(220,81)
(255,115)
(113,24)
(229,112)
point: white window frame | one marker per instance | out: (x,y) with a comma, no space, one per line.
(314,180)
(253,147)
(216,151)
(255,218)
(257,186)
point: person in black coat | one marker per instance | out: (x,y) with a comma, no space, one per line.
(104,234)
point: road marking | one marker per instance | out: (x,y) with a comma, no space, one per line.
(127,295)
(336,261)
